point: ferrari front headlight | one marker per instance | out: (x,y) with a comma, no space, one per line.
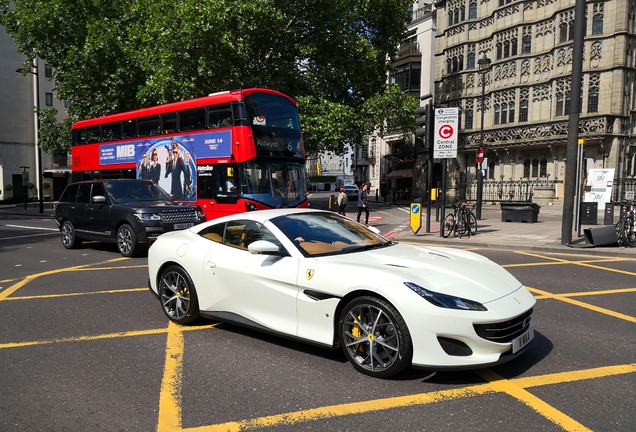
(444,300)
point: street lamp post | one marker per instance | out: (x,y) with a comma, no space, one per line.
(484,65)
(38,150)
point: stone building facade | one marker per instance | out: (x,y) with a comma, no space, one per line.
(526,92)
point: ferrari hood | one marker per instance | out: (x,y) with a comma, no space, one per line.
(445,270)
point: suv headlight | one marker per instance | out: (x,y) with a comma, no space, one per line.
(146,217)
(444,300)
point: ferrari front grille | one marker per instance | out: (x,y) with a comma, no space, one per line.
(506,331)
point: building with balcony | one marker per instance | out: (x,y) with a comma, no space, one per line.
(388,160)
(522,92)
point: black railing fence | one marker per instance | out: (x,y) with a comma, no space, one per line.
(528,190)
(524,190)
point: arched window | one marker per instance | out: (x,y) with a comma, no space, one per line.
(471,61)
(597,24)
(468,119)
(472,9)
(526,44)
(497,113)
(523,111)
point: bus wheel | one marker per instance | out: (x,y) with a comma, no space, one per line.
(69,236)
(127,241)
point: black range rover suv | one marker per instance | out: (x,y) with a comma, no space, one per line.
(129,212)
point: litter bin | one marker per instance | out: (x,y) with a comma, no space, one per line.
(525,212)
(589,213)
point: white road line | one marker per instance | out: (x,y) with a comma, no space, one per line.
(32,227)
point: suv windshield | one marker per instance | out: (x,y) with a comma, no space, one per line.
(132,191)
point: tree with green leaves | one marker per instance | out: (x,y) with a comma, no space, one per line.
(117,55)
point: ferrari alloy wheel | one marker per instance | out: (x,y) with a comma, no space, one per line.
(178,296)
(374,337)
(126,241)
(69,237)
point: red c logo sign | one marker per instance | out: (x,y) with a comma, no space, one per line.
(446,131)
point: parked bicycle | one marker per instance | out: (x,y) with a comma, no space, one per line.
(462,222)
(625,230)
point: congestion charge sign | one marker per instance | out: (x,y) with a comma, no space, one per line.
(445,139)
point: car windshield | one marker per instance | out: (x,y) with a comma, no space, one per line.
(325,233)
(125,192)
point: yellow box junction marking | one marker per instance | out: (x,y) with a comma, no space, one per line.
(170,412)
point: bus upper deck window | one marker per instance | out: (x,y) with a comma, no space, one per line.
(220,116)
(128,129)
(169,122)
(92,135)
(111,131)
(148,126)
(192,119)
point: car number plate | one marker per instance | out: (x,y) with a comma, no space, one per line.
(181,226)
(523,340)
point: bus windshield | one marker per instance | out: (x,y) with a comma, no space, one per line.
(275,126)
(276,184)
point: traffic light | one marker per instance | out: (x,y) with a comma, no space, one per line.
(423,116)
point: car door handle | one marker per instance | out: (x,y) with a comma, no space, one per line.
(211,264)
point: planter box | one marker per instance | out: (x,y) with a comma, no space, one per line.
(520,212)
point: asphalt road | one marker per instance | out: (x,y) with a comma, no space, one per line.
(85,346)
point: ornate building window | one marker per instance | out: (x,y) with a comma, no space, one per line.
(472,9)
(507,44)
(566,26)
(456,12)
(562,97)
(535,166)
(597,19)
(592,93)
(468,117)
(470,62)
(523,105)
(526,44)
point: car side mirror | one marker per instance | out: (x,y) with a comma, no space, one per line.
(374,229)
(263,247)
(98,199)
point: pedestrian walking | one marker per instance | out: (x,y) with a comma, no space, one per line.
(363,203)
(342,201)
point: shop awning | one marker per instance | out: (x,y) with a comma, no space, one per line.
(400,174)
(56,172)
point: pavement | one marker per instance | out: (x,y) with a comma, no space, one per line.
(492,232)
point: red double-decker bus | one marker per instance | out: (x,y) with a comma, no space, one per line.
(229,152)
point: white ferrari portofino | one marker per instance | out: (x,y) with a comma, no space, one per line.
(327,280)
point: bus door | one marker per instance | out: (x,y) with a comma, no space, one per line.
(218,190)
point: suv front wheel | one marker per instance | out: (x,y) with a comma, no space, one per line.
(127,241)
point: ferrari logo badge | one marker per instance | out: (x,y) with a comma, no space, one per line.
(309,274)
